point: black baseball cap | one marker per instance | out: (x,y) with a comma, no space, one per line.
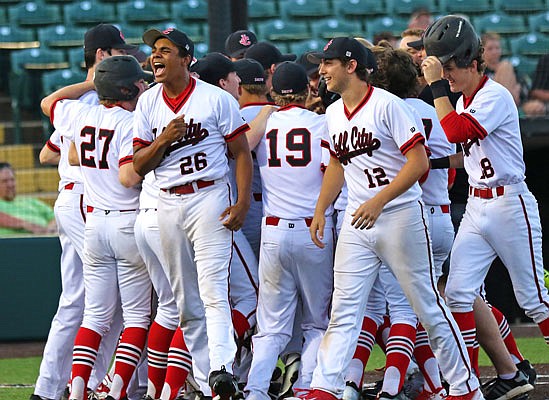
(267,54)
(250,72)
(213,67)
(309,66)
(105,36)
(345,47)
(290,78)
(175,36)
(238,42)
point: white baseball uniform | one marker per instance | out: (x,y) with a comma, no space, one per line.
(113,267)
(291,156)
(501,217)
(370,142)
(194,192)
(70,214)
(435,187)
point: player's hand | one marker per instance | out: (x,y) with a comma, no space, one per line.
(317,229)
(175,130)
(432,69)
(367,214)
(236,215)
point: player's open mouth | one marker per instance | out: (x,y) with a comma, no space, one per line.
(159,68)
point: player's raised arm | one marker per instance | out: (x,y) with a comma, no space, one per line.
(257,126)
(68,92)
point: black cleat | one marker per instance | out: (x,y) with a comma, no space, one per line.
(224,385)
(528,370)
(505,389)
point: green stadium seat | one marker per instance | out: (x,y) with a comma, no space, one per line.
(89,13)
(359,8)
(279,30)
(531,44)
(332,27)
(35,14)
(539,22)
(501,23)
(520,6)
(200,50)
(190,10)
(525,68)
(12,38)
(307,45)
(61,36)
(407,7)
(37,60)
(386,24)
(53,80)
(467,7)
(262,9)
(139,11)
(3,16)
(305,8)
(76,58)
(133,34)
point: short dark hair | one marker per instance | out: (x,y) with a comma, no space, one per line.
(361,70)
(4,165)
(397,72)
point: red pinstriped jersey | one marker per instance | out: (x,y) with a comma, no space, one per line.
(497,158)
(371,142)
(291,157)
(213,118)
(103,139)
(435,187)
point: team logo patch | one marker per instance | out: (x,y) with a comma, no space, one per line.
(328,44)
(245,40)
(122,36)
(167,31)
(472,111)
(351,144)
(348,53)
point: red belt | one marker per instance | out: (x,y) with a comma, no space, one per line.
(486,193)
(445,208)
(188,187)
(90,209)
(69,186)
(275,220)
(258,196)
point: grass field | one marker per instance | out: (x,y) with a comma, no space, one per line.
(17,375)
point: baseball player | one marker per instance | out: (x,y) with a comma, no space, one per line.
(238,42)
(182,130)
(374,140)
(291,156)
(501,217)
(112,265)
(70,213)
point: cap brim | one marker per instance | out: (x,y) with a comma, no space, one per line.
(124,46)
(288,57)
(316,57)
(151,36)
(416,44)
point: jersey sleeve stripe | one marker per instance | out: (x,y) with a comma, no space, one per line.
(52,147)
(417,138)
(125,160)
(140,142)
(479,128)
(325,144)
(237,132)
(333,154)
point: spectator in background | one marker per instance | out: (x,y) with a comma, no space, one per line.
(421,18)
(538,102)
(21,214)
(499,70)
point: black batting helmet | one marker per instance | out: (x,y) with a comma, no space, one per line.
(452,37)
(116,73)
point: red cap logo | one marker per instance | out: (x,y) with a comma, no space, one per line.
(167,31)
(328,44)
(245,40)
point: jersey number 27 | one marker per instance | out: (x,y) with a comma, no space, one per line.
(88,146)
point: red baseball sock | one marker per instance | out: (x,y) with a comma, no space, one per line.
(426,360)
(240,323)
(128,354)
(382,333)
(399,353)
(507,335)
(544,328)
(366,341)
(157,357)
(179,365)
(84,354)
(466,323)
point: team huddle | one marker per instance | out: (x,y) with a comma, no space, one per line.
(223,240)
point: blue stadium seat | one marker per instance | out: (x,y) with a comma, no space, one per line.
(262,9)
(386,24)
(539,22)
(407,7)
(278,30)
(37,59)
(359,8)
(133,33)
(520,6)
(34,14)
(531,44)
(3,16)
(305,8)
(501,23)
(200,50)
(54,80)
(467,7)
(190,10)
(307,45)
(61,36)
(89,13)
(12,37)
(332,27)
(140,11)
(76,58)
(524,66)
